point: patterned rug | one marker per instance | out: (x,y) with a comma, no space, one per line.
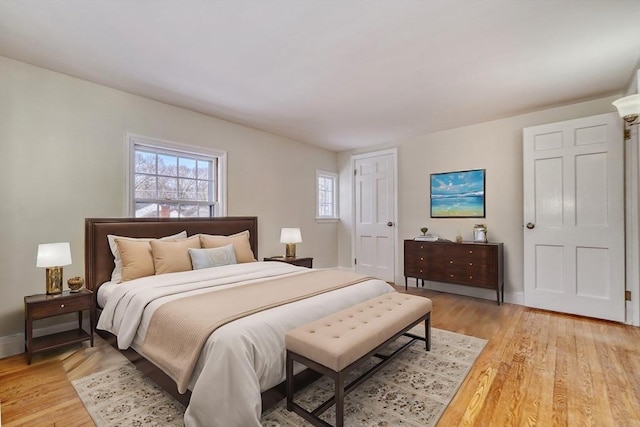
(413,390)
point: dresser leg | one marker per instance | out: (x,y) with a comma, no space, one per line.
(406,284)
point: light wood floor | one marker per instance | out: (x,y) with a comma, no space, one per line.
(538,368)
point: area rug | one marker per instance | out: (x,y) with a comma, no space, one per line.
(412,390)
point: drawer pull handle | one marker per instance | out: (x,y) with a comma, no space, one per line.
(451,262)
(420,271)
(470,277)
(470,263)
(421,247)
(421,259)
(451,275)
(61,305)
(470,252)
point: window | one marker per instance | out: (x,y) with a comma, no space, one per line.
(169,179)
(327,197)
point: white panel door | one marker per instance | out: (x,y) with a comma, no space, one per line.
(374,216)
(574,217)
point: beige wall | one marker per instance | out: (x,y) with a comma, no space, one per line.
(495,146)
(62,157)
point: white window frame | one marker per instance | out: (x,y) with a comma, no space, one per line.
(132,141)
(334,178)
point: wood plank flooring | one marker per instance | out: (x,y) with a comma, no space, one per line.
(538,369)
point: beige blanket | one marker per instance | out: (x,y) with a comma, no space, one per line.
(179,329)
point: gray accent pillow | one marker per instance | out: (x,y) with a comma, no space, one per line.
(212,257)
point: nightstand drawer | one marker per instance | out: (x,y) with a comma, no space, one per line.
(60,306)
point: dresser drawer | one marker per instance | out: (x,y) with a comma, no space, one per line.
(415,266)
(481,276)
(412,247)
(60,306)
(454,262)
(414,258)
(479,254)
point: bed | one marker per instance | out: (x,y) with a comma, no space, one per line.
(242,360)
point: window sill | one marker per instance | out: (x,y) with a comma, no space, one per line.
(321,220)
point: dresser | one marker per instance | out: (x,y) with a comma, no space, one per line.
(479,265)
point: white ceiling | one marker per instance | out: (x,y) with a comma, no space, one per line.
(338,74)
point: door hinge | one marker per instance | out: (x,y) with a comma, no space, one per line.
(355,261)
(627,295)
(355,172)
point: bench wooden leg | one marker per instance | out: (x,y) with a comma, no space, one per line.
(339,393)
(427,331)
(289,381)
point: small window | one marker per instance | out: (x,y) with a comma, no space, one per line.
(169,179)
(327,195)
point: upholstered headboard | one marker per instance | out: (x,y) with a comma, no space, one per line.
(98,259)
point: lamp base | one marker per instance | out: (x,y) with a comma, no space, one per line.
(54,280)
(291,250)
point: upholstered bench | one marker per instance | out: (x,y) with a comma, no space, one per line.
(336,344)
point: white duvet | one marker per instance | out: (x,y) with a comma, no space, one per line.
(240,359)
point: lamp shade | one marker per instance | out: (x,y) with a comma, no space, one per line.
(53,254)
(290,235)
(628,106)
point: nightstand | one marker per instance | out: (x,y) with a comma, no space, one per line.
(301,262)
(43,306)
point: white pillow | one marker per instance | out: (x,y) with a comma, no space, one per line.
(212,257)
(116,275)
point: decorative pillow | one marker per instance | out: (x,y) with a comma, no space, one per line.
(169,257)
(116,275)
(240,243)
(212,257)
(136,258)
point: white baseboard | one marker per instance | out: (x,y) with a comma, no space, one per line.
(11,344)
(14,344)
(630,315)
(510,297)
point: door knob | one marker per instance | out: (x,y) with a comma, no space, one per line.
(389,224)
(531,225)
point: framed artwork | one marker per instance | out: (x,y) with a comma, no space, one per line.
(458,194)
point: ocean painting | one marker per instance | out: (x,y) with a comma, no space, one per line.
(458,194)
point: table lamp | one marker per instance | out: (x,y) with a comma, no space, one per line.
(53,256)
(290,236)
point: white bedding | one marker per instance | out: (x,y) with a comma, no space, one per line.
(240,359)
(105,290)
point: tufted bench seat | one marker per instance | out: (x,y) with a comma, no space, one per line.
(337,343)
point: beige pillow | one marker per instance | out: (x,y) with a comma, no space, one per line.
(240,242)
(136,258)
(169,257)
(116,275)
